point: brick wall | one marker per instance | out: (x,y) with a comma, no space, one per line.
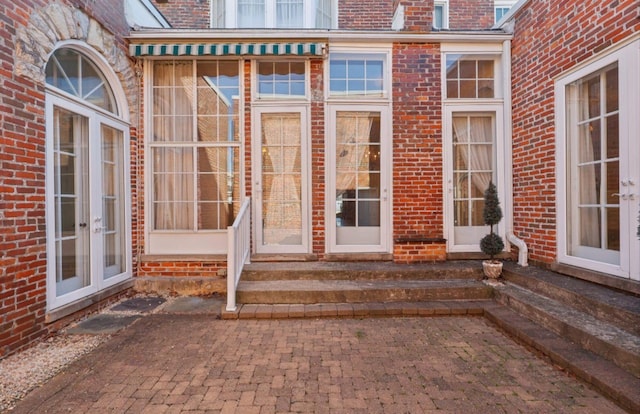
(365,14)
(471,15)
(417,151)
(418,15)
(186,14)
(562,33)
(22,178)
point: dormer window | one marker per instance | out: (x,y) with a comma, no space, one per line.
(272,14)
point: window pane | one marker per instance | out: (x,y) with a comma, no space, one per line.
(281,79)
(289,13)
(357,74)
(468,77)
(251,14)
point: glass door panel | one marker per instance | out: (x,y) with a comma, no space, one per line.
(282,204)
(71,201)
(357,183)
(113,212)
(473,163)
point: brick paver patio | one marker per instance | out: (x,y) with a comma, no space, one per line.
(167,363)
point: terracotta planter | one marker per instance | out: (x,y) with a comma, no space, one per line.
(492,269)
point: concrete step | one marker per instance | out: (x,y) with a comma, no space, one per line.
(262,271)
(593,334)
(358,291)
(619,308)
(609,379)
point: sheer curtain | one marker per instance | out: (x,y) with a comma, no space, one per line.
(251,13)
(289,13)
(353,130)
(282,197)
(173,165)
(476,131)
(587,171)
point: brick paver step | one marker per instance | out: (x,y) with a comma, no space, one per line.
(595,335)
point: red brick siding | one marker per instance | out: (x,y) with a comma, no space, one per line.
(417,150)
(22,179)
(418,15)
(562,34)
(365,14)
(186,14)
(471,15)
(318,163)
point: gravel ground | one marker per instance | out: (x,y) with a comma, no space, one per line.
(26,370)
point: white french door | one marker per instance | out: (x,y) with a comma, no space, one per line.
(358,159)
(471,162)
(280,178)
(599,186)
(87,197)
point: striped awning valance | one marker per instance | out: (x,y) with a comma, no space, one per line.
(226,49)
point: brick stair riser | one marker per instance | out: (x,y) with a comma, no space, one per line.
(359,296)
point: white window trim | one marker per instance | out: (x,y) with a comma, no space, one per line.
(445,13)
(206,242)
(256,99)
(628,57)
(96,116)
(231,11)
(383,50)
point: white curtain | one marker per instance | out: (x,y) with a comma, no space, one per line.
(477,131)
(251,13)
(289,13)
(173,166)
(585,171)
(282,205)
(353,132)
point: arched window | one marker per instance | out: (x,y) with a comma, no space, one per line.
(88,187)
(73,73)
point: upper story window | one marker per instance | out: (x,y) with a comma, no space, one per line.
(502,7)
(441,14)
(281,80)
(472,76)
(273,14)
(357,74)
(72,72)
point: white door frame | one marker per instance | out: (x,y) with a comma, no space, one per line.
(627,56)
(257,185)
(95,236)
(497,110)
(386,159)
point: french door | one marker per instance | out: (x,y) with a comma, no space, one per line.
(600,182)
(358,163)
(471,163)
(281,201)
(87,222)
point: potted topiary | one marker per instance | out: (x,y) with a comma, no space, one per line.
(491,244)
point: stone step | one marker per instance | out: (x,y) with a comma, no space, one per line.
(358,291)
(268,271)
(619,308)
(593,334)
(605,376)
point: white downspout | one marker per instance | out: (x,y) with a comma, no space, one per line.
(508,154)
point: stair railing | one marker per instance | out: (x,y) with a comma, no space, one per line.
(239,239)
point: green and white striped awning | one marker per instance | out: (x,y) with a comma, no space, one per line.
(226,49)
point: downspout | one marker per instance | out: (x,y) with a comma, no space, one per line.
(508,154)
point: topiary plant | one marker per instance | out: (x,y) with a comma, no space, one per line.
(491,244)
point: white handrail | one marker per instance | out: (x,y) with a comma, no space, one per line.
(239,239)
